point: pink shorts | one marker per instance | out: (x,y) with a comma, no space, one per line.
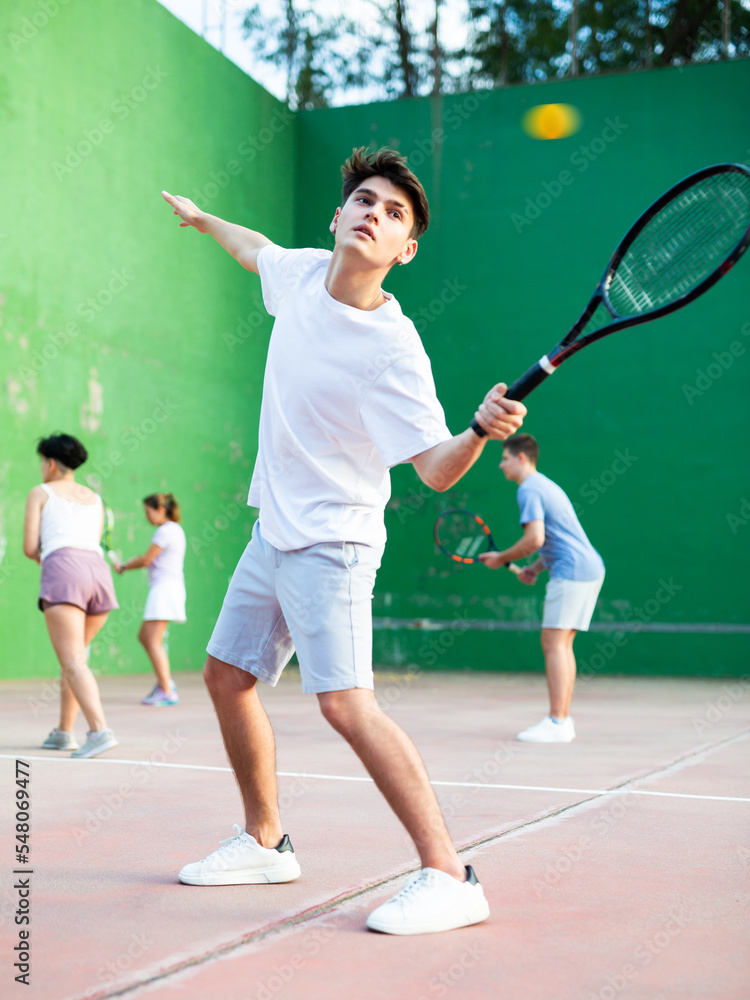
(79,577)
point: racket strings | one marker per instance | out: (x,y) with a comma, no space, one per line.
(682,244)
(462,535)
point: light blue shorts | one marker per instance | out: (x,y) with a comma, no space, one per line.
(570,603)
(317,601)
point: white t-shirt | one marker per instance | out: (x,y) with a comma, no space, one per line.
(346,395)
(168,564)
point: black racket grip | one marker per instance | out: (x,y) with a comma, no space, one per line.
(519,390)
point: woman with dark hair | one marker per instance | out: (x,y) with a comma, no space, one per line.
(166,596)
(63,525)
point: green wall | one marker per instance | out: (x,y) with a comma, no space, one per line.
(507,265)
(144,339)
(149,342)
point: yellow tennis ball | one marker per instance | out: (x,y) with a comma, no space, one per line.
(551,121)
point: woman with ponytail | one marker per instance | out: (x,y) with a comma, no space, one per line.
(166,595)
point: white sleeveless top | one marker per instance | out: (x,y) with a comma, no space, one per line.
(69,525)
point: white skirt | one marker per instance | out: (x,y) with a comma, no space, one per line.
(165,602)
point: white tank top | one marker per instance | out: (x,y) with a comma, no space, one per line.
(69,525)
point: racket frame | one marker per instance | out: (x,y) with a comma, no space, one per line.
(491,547)
(570,344)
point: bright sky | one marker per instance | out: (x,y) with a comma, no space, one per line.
(200,14)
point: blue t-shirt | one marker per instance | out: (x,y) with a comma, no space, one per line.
(567,553)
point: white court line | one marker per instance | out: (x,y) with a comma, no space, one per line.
(449,784)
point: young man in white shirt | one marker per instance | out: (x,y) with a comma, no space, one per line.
(348,392)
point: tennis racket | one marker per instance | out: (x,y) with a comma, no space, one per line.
(107,536)
(463,536)
(675,252)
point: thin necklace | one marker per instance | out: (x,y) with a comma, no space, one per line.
(380,292)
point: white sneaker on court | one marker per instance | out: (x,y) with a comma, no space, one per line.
(549,731)
(240,860)
(432,901)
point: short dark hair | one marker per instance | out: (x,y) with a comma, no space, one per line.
(525,443)
(166,500)
(391,165)
(64,448)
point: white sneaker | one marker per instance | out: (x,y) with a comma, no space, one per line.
(548,731)
(96,743)
(241,860)
(432,901)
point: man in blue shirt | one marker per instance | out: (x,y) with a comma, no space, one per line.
(576,574)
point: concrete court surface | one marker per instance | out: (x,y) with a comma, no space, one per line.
(616,866)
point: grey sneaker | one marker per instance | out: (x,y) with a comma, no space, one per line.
(96,743)
(59,740)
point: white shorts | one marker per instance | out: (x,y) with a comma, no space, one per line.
(316,600)
(165,602)
(570,603)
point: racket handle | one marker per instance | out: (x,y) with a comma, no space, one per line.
(522,387)
(514,568)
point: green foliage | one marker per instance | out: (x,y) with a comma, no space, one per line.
(520,42)
(397,55)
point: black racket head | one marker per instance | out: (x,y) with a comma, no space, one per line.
(681,246)
(684,243)
(688,239)
(462,535)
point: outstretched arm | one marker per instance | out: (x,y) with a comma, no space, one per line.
(138,562)
(243,244)
(442,466)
